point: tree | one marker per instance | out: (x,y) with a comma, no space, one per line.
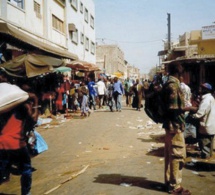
(151,73)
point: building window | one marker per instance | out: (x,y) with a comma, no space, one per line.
(82,38)
(37,9)
(92,48)
(81,7)
(87,44)
(86,15)
(57,24)
(74,36)
(61,2)
(18,3)
(92,21)
(74,4)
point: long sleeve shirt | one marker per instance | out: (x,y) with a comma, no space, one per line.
(91,88)
(118,87)
(206,114)
(174,100)
(101,88)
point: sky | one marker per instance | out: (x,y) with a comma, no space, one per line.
(139,27)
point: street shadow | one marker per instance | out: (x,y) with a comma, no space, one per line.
(201,166)
(14,170)
(78,117)
(131,109)
(122,180)
(145,140)
(6,194)
(154,138)
(159,152)
(158,138)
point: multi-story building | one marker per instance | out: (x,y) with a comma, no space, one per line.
(81,28)
(110,59)
(133,72)
(63,28)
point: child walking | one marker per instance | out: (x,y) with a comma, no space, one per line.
(85,111)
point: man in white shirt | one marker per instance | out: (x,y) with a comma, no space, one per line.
(101,91)
(186,91)
(206,116)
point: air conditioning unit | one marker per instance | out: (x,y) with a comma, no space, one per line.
(71,27)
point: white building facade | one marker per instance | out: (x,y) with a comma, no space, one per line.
(52,25)
(81,41)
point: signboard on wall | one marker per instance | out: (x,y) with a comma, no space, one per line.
(208,32)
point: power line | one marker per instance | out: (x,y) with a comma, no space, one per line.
(130,42)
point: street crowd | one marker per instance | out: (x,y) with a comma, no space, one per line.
(189,117)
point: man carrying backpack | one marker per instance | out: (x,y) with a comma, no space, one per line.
(174,125)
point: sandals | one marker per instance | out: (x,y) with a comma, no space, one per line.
(181,191)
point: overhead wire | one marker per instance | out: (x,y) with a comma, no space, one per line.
(130,42)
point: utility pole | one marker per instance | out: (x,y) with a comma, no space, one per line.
(169,30)
(104,65)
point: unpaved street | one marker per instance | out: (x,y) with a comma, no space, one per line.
(119,153)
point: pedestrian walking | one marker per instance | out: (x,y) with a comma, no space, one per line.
(118,91)
(110,89)
(92,93)
(105,80)
(13,146)
(128,94)
(138,95)
(101,91)
(174,125)
(85,111)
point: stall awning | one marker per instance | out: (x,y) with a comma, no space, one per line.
(30,65)
(83,65)
(118,74)
(75,65)
(63,69)
(17,33)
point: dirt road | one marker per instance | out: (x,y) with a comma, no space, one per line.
(118,153)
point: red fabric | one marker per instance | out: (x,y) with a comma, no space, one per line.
(60,90)
(66,85)
(11,135)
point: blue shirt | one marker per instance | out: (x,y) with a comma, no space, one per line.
(118,87)
(91,88)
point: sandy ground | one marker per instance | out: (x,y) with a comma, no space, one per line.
(108,154)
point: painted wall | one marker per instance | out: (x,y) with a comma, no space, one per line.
(206,47)
(113,57)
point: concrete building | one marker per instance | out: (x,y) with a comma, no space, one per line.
(80,16)
(110,59)
(133,72)
(196,52)
(63,28)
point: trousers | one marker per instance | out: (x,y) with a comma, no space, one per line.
(175,154)
(206,145)
(22,158)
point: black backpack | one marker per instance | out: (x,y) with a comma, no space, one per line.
(155,106)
